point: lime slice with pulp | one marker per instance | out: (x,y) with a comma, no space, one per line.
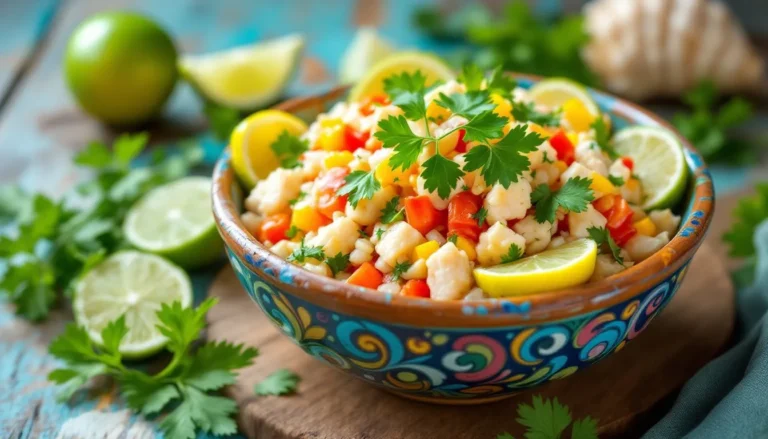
(659,163)
(566,266)
(245,77)
(553,93)
(175,220)
(135,285)
(365,50)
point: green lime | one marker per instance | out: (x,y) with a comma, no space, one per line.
(365,50)
(121,67)
(659,163)
(133,284)
(175,221)
(246,77)
(429,65)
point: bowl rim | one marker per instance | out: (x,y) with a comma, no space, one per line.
(505,312)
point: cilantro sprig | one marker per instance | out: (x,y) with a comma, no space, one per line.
(280,382)
(391,213)
(514,253)
(603,239)
(338,263)
(304,252)
(603,138)
(288,148)
(548,419)
(183,388)
(574,196)
(526,112)
(505,161)
(399,269)
(360,185)
(748,214)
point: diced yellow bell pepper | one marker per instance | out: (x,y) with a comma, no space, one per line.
(602,184)
(577,115)
(503,106)
(573,137)
(436,112)
(336,159)
(465,244)
(560,165)
(424,251)
(388,176)
(331,136)
(307,218)
(646,227)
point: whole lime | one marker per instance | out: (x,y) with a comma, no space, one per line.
(121,67)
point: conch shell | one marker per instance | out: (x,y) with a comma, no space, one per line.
(647,48)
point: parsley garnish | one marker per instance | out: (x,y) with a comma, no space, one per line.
(603,138)
(514,253)
(575,195)
(301,254)
(406,91)
(616,181)
(468,105)
(548,419)
(603,236)
(526,112)
(400,269)
(300,197)
(390,213)
(338,263)
(363,234)
(280,382)
(454,238)
(471,76)
(505,161)
(441,174)
(394,132)
(360,185)
(501,84)
(480,215)
(288,148)
(185,384)
(379,233)
(292,231)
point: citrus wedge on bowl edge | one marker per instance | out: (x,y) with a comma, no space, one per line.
(430,65)
(246,77)
(176,221)
(135,285)
(659,163)
(556,91)
(251,143)
(365,50)
(566,266)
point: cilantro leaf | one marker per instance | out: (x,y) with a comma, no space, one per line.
(575,195)
(545,418)
(288,148)
(748,214)
(484,126)
(526,112)
(468,105)
(501,84)
(292,231)
(603,237)
(406,91)
(360,185)
(390,213)
(379,233)
(504,162)
(584,429)
(399,269)
(338,263)
(210,414)
(280,382)
(301,254)
(480,215)
(514,253)
(616,181)
(453,238)
(603,138)
(471,76)
(441,175)
(394,132)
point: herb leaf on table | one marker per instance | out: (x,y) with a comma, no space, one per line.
(748,214)
(280,382)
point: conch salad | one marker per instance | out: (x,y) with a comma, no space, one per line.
(410,190)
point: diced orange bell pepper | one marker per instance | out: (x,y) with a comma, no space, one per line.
(366,276)
(308,219)
(421,214)
(461,210)
(371,102)
(416,288)
(274,228)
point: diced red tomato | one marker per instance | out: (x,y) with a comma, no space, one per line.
(624,234)
(563,146)
(366,276)
(274,227)
(563,225)
(328,204)
(461,145)
(461,209)
(619,215)
(373,101)
(421,214)
(604,204)
(629,163)
(416,288)
(354,140)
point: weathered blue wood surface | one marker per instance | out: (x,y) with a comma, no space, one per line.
(41,129)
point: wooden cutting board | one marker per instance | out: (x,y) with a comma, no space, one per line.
(621,391)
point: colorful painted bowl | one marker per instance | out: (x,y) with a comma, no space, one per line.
(462,352)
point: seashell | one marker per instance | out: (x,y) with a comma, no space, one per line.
(647,48)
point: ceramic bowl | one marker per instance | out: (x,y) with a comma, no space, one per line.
(462,352)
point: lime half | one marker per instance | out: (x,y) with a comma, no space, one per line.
(555,92)
(429,65)
(566,266)
(245,77)
(133,284)
(365,50)
(659,163)
(175,220)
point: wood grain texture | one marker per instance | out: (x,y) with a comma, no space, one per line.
(619,391)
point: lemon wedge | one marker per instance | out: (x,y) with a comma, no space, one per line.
(555,92)
(566,266)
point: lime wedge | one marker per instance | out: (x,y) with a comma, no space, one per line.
(659,163)
(429,65)
(175,221)
(245,77)
(566,266)
(555,92)
(133,284)
(366,49)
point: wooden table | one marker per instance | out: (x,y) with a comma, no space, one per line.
(41,129)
